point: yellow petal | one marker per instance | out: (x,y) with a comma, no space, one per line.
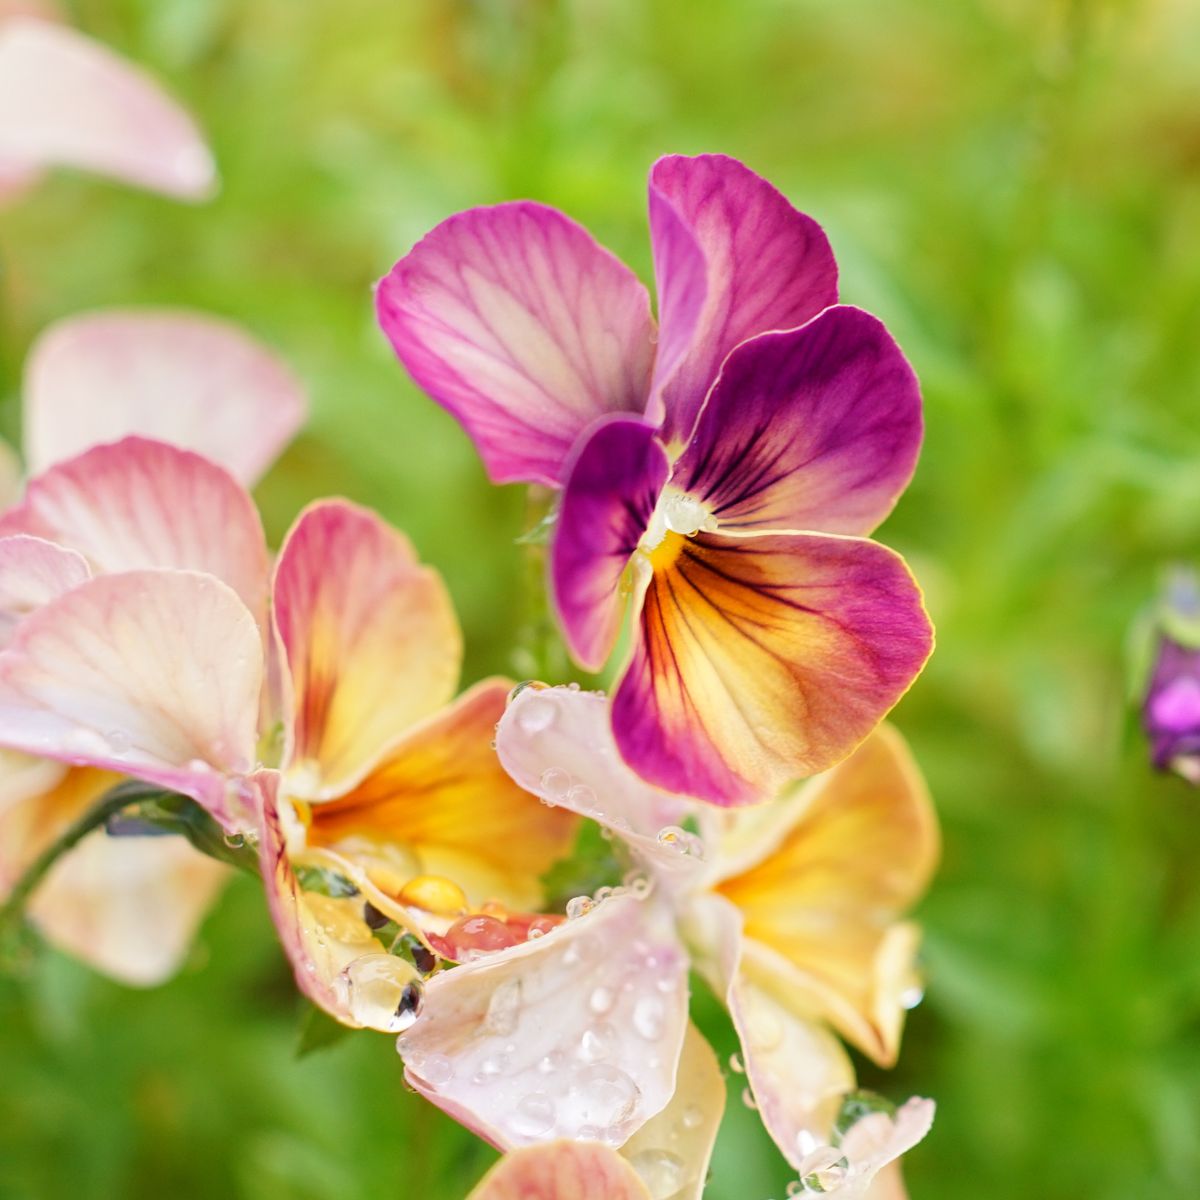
(821,904)
(442,794)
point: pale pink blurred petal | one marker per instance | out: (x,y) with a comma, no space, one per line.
(184,378)
(128,907)
(562,1170)
(155,674)
(671,1151)
(575,1034)
(32,572)
(371,640)
(66,100)
(137,504)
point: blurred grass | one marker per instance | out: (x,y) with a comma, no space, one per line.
(1015,188)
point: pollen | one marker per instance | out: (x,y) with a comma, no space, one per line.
(434,894)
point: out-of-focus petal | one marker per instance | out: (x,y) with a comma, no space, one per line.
(828,890)
(337,962)
(888,1184)
(576,1034)
(814,428)
(558,744)
(875,1142)
(516,321)
(763,658)
(442,794)
(765,265)
(10,476)
(128,907)
(370,638)
(66,100)
(671,1151)
(154,674)
(184,378)
(140,504)
(562,1170)
(32,572)
(612,487)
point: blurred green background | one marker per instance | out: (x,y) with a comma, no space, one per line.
(1014,186)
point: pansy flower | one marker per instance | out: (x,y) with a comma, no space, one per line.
(67,100)
(793,910)
(1171,700)
(128,905)
(720,469)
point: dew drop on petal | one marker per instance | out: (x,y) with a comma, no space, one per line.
(748,1099)
(601,1001)
(663,1173)
(602,1096)
(534,1116)
(597,1042)
(911,997)
(692,1116)
(579,906)
(735,1064)
(555,784)
(648,1014)
(381,993)
(536,715)
(581,797)
(503,1009)
(437,1069)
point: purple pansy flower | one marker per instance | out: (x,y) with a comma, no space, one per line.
(1171,709)
(722,468)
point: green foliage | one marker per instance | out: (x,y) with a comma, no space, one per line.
(1013,186)
(591,865)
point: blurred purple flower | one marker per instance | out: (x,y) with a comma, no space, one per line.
(1171,709)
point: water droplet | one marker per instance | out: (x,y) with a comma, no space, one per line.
(235,841)
(534,1116)
(437,1069)
(856,1106)
(119,742)
(663,1173)
(672,837)
(597,1043)
(478,935)
(551,1062)
(748,1099)
(579,906)
(536,714)
(581,798)
(824,1170)
(497,1064)
(692,1116)
(603,1096)
(601,1001)
(503,1009)
(381,992)
(735,1064)
(555,784)
(911,997)
(648,1017)
(434,894)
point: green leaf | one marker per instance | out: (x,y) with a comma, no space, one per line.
(592,864)
(318,1031)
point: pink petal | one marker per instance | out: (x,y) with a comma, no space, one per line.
(154,674)
(184,378)
(66,100)
(612,486)
(762,658)
(515,320)
(816,428)
(33,572)
(371,643)
(137,504)
(557,743)
(576,1034)
(765,265)
(562,1170)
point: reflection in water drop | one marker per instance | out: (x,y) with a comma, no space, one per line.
(381,992)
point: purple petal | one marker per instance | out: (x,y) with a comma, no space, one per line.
(814,428)
(766,267)
(611,490)
(515,320)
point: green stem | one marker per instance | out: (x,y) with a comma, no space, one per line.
(109,805)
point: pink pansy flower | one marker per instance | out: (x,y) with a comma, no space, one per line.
(722,469)
(793,911)
(128,906)
(66,100)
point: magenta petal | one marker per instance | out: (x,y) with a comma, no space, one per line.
(183,378)
(814,428)
(611,490)
(66,100)
(766,267)
(515,320)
